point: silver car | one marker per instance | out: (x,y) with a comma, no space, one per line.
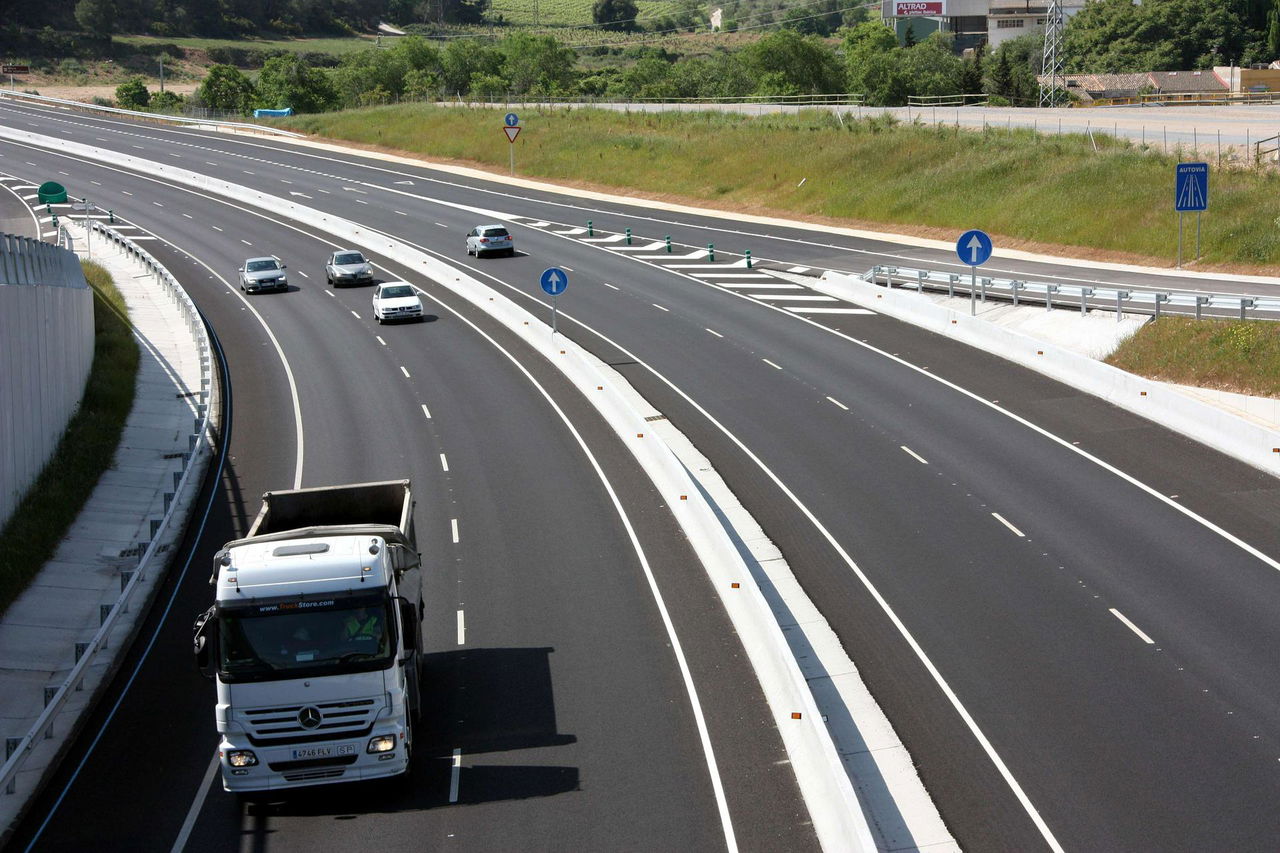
(263,274)
(347,266)
(490,240)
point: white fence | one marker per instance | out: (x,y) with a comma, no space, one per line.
(46,352)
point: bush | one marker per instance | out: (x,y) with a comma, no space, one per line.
(132,94)
(167,102)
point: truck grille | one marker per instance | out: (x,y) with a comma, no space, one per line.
(315,722)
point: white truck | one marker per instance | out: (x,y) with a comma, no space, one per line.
(314,639)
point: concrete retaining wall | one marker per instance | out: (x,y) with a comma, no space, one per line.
(46,351)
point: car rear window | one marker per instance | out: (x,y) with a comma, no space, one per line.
(496,232)
(349,258)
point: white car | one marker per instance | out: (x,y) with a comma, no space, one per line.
(396,300)
(490,240)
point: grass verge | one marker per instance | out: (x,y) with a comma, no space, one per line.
(39,523)
(1228,355)
(1027,189)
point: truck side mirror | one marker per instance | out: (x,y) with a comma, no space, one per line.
(205,632)
(409,622)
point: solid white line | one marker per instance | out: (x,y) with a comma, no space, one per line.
(923,461)
(838,403)
(377,338)
(1000,518)
(453,775)
(462,629)
(771,364)
(453,523)
(444,463)
(607,284)
(405,372)
(1132,627)
(660,308)
(197,805)
(714,332)
(426,412)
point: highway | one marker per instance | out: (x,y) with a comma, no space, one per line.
(559,686)
(1066,611)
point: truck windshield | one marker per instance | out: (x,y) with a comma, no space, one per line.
(293,639)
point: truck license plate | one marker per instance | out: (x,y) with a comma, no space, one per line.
(306,752)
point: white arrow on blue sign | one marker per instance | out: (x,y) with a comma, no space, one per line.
(554,281)
(511,119)
(974,247)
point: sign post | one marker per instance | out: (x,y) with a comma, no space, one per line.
(973,248)
(1190,193)
(511,127)
(554,281)
(12,70)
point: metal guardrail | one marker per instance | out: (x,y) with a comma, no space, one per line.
(25,260)
(19,749)
(841,99)
(947,100)
(1079,297)
(45,99)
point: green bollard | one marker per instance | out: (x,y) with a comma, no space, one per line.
(668,244)
(711,252)
(591,231)
(628,236)
(748,259)
(55,220)
(111,215)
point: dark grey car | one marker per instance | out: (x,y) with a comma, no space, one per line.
(263,274)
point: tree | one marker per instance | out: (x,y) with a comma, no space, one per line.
(932,67)
(96,16)
(167,102)
(132,94)
(462,59)
(868,50)
(227,90)
(615,14)
(1273,32)
(536,63)
(289,82)
(909,37)
(792,62)
(971,72)
(1109,36)
(1001,82)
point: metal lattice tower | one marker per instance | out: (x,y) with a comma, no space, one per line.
(1053,87)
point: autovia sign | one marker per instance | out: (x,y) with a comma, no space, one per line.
(924,8)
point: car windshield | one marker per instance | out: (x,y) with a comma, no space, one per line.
(349,258)
(397,291)
(314,637)
(495,232)
(260,266)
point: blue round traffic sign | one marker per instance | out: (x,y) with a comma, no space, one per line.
(554,281)
(974,247)
(511,119)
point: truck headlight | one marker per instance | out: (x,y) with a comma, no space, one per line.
(241,758)
(381,743)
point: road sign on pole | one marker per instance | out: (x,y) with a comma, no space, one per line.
(511,119)
(554,281)
(512,131)
(1190,194)
(973,248)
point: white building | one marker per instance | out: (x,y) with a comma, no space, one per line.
(1008,19)
(972,22)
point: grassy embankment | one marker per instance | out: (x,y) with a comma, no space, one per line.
(1034,192)
(39,523)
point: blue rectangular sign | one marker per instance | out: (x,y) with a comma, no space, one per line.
(1191,191)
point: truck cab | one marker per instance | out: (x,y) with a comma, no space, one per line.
(313,639)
